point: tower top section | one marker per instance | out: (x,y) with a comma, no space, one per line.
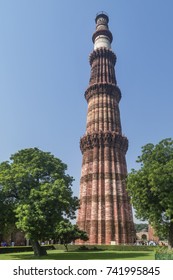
(102,15)
(102,37)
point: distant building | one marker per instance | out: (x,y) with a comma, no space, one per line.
(15,236)
(142,235)
(151,234)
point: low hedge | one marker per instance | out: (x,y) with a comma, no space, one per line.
(164,254)
(106,247)
(17,249)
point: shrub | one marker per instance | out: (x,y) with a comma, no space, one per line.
(107,247)
(164,254)
(83,248)
(89,248)
(17,249)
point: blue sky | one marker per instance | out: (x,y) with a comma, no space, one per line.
(44,72)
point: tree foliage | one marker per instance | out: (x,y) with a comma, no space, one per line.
(151,187)
(67,233)
(36,185)
(7,218)
(141,227)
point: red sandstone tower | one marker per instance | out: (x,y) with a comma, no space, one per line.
(105,212)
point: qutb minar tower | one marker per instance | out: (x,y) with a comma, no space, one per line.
(105,212)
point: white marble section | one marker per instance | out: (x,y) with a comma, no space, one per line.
(102,41)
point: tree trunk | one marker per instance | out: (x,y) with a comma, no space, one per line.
(66,246)
(170,236)
(38,250)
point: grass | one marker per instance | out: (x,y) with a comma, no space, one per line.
(99,255)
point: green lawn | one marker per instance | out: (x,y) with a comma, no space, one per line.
(99,255)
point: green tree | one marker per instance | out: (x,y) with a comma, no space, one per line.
(36,184)
(151,187)
(141,227)
(7,218)
(66,233)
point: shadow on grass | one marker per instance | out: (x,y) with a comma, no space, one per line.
(60,255)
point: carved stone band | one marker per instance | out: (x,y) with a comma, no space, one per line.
(102,88)
(103,139)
